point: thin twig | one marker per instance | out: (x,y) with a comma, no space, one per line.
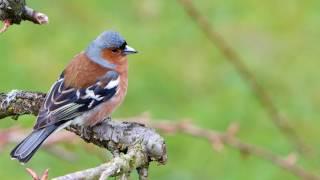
(276,116)
(36,177)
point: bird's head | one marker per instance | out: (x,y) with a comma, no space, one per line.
(109,49)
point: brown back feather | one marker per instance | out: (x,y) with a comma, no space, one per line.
(82,72)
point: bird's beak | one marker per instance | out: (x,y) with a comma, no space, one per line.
(129,50)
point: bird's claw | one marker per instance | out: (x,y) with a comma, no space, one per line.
(6,24)
(84,133)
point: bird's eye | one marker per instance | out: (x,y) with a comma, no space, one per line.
(115,51)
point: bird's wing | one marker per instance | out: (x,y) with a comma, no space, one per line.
(66,103)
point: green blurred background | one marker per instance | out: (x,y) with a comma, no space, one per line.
(180,74)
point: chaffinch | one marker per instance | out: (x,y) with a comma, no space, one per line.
(89,89)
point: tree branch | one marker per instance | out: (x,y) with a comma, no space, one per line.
(120,165)
(139,144)
(134,145)
(34,16)
(14,11)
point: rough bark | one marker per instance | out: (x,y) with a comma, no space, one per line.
(17,11)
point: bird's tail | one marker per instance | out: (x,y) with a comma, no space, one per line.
(26,149)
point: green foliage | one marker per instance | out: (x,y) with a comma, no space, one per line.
(179,74)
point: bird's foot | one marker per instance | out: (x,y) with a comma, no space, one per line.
(6,24)
(84,133)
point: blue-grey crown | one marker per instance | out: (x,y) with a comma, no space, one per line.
(109,39)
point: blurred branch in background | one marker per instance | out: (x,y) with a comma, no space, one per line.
(14,11)
(277,117)
(218,140)
(34,175)
(15,135)
(142,144)
(133,145)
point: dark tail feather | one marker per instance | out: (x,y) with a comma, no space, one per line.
(26,149)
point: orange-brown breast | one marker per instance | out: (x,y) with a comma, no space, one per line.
(106,108)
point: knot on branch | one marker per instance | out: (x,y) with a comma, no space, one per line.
(121,136)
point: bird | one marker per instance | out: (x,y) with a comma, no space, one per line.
(89,89)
